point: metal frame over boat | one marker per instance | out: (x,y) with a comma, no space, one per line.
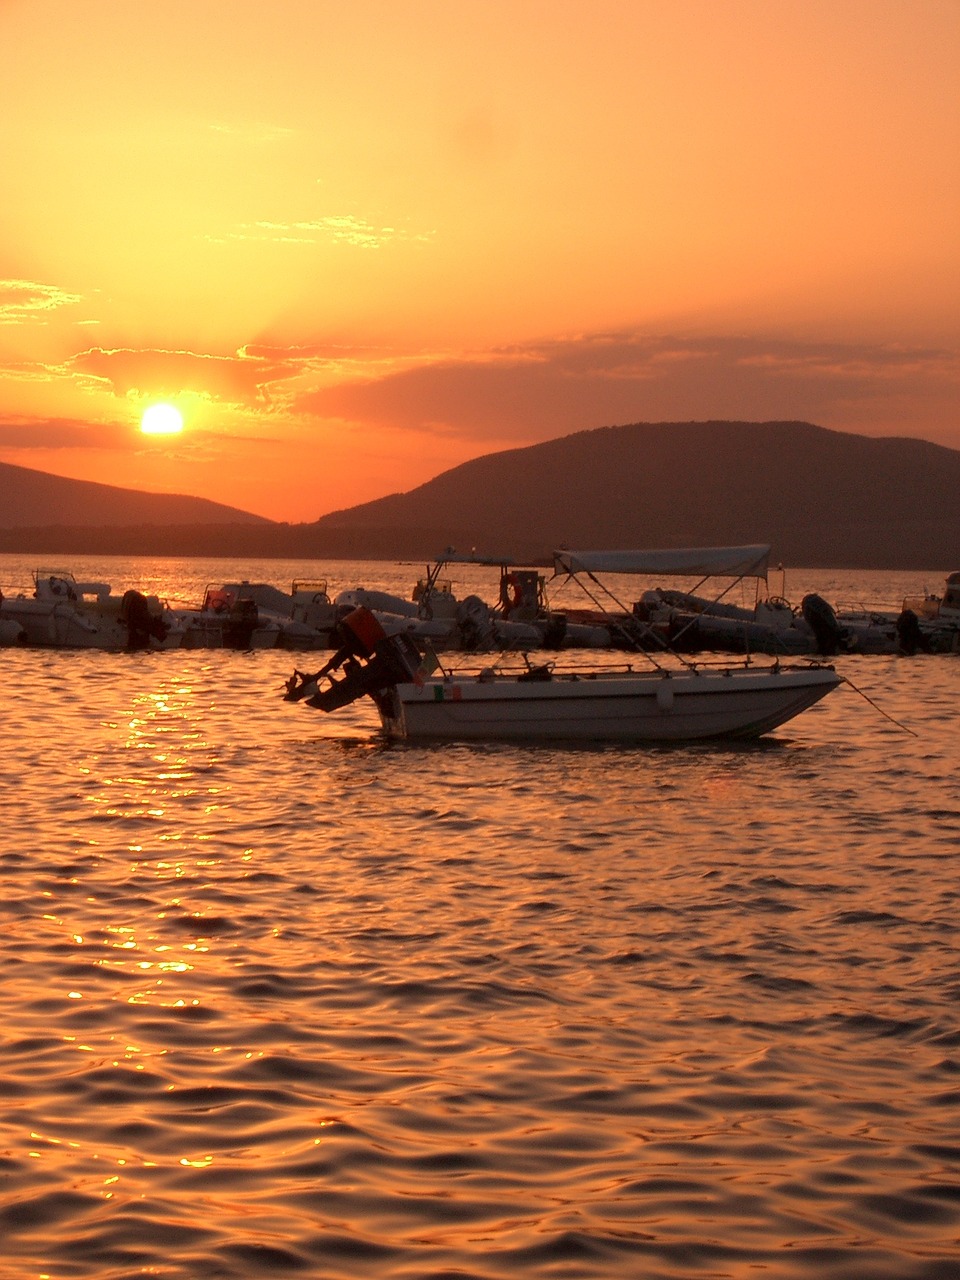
(671,701)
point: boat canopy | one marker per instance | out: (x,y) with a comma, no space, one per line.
(455,557)
(701,562)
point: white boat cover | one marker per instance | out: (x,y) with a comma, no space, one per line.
(701,562)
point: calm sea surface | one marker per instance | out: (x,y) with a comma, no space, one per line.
(277,998)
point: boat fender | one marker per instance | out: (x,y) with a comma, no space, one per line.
(665,694)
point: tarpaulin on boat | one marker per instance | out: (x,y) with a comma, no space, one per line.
(702,562)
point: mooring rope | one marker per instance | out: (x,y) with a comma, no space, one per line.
(877,707)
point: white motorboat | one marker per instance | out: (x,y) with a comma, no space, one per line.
(680,702)
(304,616)
(436,617)
(937,627)
(63,613)
(227,619)
(686,705)
(925,623)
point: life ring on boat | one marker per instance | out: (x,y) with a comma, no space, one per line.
(511,592)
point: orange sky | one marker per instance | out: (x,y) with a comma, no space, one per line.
(357,244)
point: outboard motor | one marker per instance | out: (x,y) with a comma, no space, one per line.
(910,639)
(554,631)
(371,660)
(240,624)
(141,623)
(822,620)
(474,624)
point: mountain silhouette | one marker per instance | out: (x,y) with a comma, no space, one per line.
(32,498)
(821,498)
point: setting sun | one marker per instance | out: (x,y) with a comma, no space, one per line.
(161,420)
(686,234)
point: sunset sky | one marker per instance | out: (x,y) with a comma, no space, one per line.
(356,244)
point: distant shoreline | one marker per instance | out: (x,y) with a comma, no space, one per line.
(291,542)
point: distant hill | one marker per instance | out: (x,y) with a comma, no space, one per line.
(34,498)
(821,498)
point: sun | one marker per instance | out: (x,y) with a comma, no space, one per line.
(161,420)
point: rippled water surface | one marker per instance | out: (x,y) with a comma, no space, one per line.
(280,999)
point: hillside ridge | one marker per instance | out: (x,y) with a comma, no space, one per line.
(821,498)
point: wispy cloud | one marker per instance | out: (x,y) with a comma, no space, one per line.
(333,229)
(243,378)
(542,390)
(519,394)
(27,302)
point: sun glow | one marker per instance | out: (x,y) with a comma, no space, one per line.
(161,420)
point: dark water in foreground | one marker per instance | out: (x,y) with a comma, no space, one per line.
(279,999)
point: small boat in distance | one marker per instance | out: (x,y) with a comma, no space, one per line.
(672,700)
(63,613)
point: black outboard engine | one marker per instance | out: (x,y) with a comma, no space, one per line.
(554,631)
(910,639)
(822,620)
(141,623)
(371,660)
(240,624)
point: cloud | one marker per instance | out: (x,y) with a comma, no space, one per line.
(543,390)
(26,302)
(243,378)
(65,433)
(334,229)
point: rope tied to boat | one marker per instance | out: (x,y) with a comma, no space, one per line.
(876,706)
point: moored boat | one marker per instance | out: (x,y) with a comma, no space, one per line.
(63,613)
(925,623)
(672,700)
(686,705)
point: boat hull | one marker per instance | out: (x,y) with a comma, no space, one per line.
(686,706)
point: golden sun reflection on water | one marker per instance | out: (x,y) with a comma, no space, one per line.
(475,1010)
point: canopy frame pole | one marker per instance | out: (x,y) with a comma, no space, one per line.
(716,600)
(621,627)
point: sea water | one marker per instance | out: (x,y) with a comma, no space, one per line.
(280,998)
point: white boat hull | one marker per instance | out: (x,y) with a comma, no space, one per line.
(686,706)
(53,624)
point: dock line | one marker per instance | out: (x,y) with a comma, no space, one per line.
(877,707)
